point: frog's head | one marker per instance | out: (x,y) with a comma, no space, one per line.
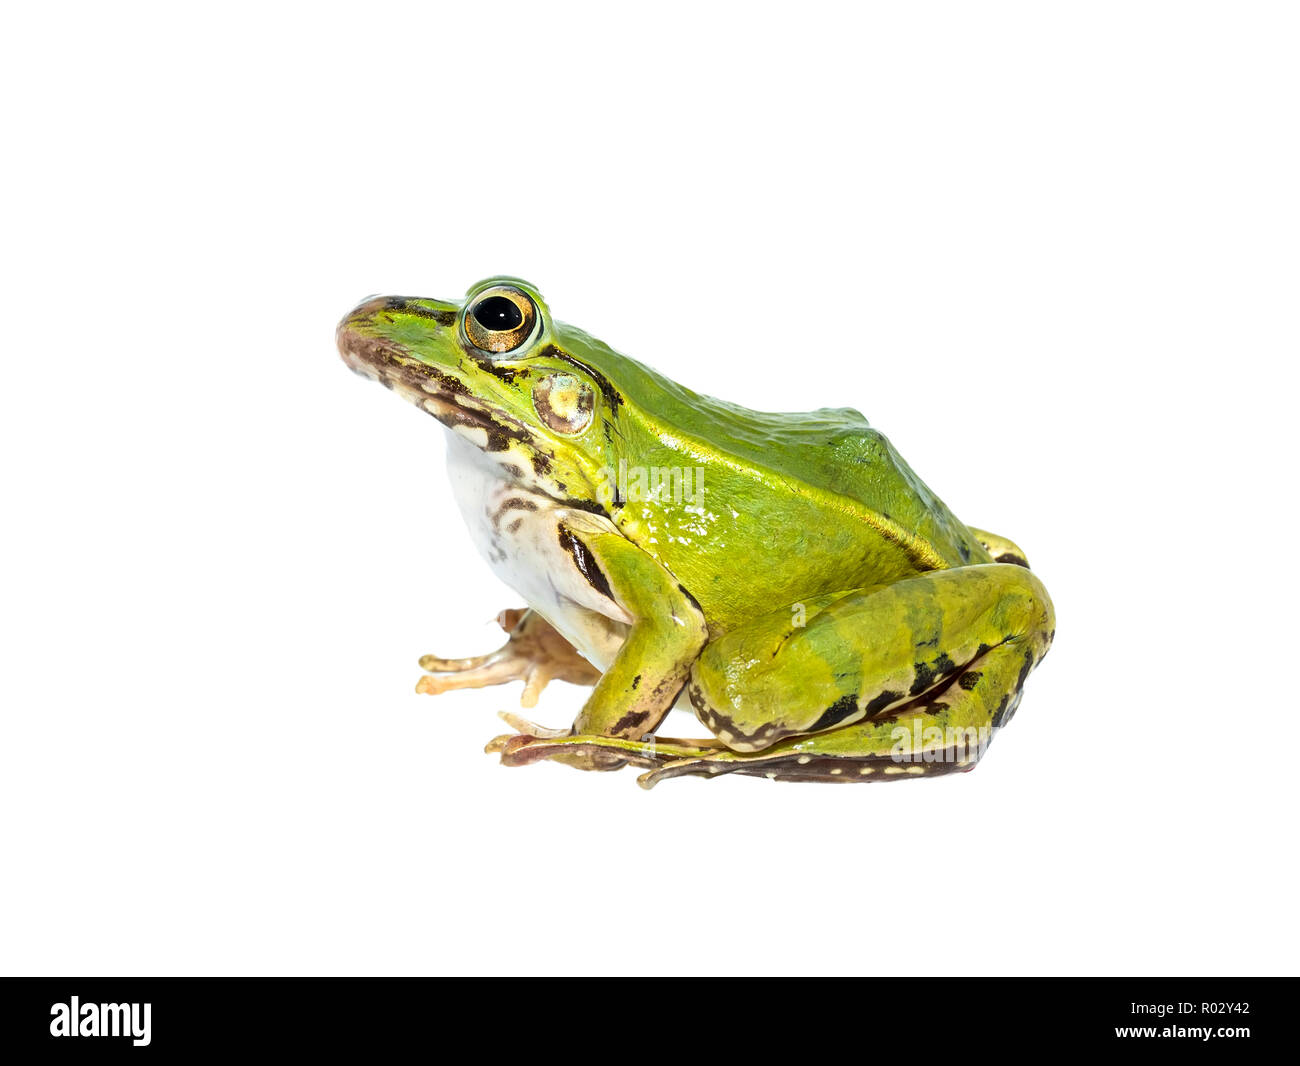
(495,369)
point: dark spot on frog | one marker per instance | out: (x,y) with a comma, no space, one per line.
(629,721)
(969,679)
(666,692)
(636,681)
(694,602)
(541,463)
(408,307)
(880,702)
(1002,709)
(512,503)
(964,549)
(506,374)
(835,713)
(1013,559)
(1024,670)
(1011,710)
(499,435)
(393,364)
(513,527)
(928,673)
(590,506)
(585,562)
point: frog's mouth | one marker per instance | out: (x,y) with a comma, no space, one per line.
(434,390)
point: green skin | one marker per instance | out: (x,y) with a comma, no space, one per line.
(826,615)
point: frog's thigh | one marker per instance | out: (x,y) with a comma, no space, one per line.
(973,633)
(941,733)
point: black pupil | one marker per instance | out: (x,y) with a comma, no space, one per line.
(498,314)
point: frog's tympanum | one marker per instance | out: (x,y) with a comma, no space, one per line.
(786,576)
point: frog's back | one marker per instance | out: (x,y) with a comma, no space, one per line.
(832,451)
(836,451)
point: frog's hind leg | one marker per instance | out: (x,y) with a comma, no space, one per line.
(874,680)
(889,749)
(535,653)
(945,731)
(875,684)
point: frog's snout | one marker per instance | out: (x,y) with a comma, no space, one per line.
(355,335)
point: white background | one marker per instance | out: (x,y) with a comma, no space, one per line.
(1068,236)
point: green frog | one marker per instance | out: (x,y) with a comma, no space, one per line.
(785,576)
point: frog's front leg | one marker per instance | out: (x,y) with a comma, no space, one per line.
(535,654)
(664,638)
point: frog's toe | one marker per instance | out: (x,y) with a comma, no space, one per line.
(507,745)
(444,675)
(520,724)
(582,753)
(706,766)
(535,654)
(520,749)
(497,744)
(524,733)
(537,679)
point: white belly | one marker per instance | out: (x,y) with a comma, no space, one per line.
(515,528)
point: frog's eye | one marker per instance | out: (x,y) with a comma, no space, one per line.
(564,403)
(500,320)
